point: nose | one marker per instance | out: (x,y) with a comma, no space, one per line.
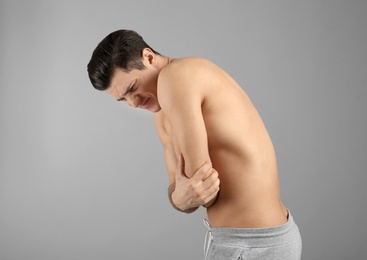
(133,101)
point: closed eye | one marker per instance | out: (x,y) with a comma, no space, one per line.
(133,88)
(129,90)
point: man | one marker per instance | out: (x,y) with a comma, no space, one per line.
(210,131)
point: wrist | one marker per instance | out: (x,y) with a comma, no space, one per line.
(171,190)
(174,202)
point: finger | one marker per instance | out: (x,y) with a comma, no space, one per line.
(210,172)
(203,172)
(210,178)
(212,191)
(209,195)
(212,181)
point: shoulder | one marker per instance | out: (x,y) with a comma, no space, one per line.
(183,78)
(183,66)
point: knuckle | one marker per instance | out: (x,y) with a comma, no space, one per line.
(197,193)
(203,199)
(192,186)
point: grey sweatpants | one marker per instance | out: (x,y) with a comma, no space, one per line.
(276,243)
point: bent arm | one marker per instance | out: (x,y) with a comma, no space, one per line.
(171,162)
(188,189)
(181,100)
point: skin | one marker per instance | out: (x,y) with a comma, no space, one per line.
(213,138)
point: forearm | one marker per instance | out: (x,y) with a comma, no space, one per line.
(171,189)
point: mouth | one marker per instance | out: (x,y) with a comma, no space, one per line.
(144,104)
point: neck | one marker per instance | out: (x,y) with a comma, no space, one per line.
(163,61)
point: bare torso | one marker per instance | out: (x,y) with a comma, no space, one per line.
(240,150)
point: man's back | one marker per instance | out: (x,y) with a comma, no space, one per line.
(239,147)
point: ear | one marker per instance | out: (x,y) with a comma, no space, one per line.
(148,56)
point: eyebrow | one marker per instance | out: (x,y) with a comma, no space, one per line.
(130,86)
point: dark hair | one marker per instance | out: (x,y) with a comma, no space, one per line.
(120,49)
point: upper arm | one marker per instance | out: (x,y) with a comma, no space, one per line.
(169,154)
(181,97)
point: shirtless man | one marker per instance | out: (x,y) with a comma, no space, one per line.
(211,134)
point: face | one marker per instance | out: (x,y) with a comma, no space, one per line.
(138,88)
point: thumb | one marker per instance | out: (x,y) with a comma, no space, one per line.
(181,167)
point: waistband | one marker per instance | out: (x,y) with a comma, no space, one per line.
(252,237)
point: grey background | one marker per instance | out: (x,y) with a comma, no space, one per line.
(83,177)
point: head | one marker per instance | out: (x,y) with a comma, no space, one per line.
(121,50)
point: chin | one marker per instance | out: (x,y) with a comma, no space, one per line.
(156,110)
